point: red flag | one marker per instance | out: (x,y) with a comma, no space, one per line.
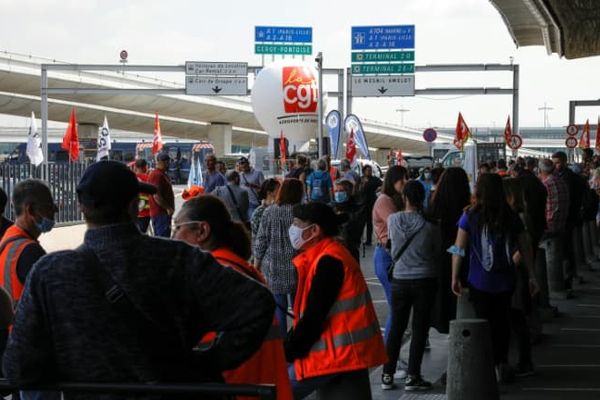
(462,132)
(584,142)
(157,143)
(282,149)
(598,134)
(71,139)
(351,148)
(507,132)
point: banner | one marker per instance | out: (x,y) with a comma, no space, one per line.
(334,126)
(598,134)
(462,132)
(34,144)
(282,151)
(157,142)
(104,144)
(351,148)
(507,133)
(353,124)
(71,139)
(195,176)
(584,142)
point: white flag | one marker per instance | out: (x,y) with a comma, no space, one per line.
(34,144)
(103,141)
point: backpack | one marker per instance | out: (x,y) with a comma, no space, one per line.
(318,188)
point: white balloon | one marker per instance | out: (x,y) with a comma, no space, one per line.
(285,98)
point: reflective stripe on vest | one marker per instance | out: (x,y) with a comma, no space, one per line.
(15,243)
(349,304)
(348,338)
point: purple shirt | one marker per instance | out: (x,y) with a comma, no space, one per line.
(212,180)
(501,276)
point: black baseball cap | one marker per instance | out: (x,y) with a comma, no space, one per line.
(110,182)
(243,160)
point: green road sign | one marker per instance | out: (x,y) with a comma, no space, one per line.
(383,56)
(294,49)
(383,68)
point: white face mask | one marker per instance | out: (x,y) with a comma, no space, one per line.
(295,233)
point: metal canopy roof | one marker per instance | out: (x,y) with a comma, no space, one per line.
(567,28)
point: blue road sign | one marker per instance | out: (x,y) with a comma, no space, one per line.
(383,37)
(285,34)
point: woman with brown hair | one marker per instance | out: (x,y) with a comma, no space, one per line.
(273,251)
(388,202)
(205,222)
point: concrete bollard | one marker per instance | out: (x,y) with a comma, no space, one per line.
(471,374)
(554,265)
(464,308)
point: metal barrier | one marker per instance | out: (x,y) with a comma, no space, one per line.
(265,392)
(62,180)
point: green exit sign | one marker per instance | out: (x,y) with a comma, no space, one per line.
(283,49)
(383,68)
(383,56)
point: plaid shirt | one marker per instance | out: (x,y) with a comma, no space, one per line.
(557,204)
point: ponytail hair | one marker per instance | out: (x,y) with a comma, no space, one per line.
(224,231)
(414,192)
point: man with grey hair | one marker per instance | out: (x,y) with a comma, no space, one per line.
(348,172)
(235,197)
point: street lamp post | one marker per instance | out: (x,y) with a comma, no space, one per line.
(402,111)
(319,61)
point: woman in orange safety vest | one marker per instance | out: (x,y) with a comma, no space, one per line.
(336,336)
(205,222)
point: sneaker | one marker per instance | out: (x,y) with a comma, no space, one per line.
(416,384)
(387,382)
(524,370)
(400,374)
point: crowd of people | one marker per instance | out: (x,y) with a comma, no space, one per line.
(211,294)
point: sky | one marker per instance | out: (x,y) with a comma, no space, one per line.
(457,31)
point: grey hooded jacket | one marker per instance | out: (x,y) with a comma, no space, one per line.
(419,259)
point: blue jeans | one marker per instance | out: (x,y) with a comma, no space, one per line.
(162,225)
(282,304)
(381,260)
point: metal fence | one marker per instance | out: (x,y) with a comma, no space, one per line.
(266,392)
(62,180)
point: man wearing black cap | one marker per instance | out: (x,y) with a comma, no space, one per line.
(162,204)
(125,307)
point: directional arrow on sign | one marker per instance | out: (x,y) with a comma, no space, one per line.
(217,89)
(382,90)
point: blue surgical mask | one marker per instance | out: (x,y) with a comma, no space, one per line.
(340,197)
(45,225)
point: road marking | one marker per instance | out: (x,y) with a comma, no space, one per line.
(580,329)
(374,283)
(578,346)
(379,301)
(371,279)
(569,366)
(541,389)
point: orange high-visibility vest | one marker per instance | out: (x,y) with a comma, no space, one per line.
(267,365)
(351,339)
(12,245)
